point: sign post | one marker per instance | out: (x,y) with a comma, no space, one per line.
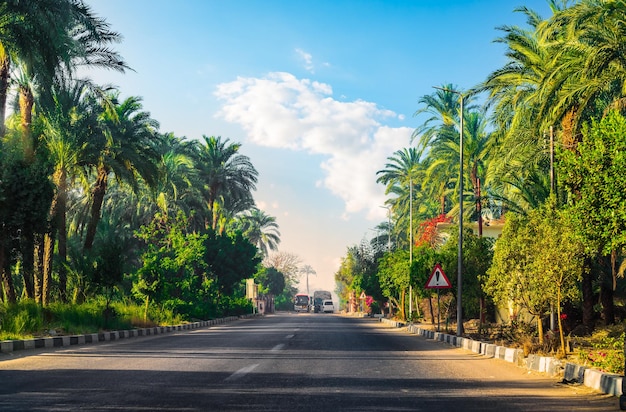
(438,280)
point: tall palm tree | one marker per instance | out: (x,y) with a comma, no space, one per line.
(228,178)
(70,117)
(588,70)
(477,148)
(124,148)
(261,230)
(37,40)
(514,94)
(174,189)
(403,177)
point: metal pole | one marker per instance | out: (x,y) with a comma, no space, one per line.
(459,306)
(411,242)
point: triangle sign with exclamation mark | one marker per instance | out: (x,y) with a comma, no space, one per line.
(438,279)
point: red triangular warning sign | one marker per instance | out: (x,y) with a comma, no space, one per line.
(438,279)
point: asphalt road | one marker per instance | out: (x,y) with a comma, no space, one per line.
(285,362)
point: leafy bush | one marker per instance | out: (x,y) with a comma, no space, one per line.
(605,354)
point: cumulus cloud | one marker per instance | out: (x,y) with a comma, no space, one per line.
(283,111)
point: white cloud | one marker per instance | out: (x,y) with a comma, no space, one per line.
(282,111)
(307,58)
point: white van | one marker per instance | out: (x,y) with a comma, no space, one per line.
(328,306)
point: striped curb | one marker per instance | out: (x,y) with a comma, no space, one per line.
(608,383)
(7,346)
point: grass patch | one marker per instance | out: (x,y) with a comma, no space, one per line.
(27,319)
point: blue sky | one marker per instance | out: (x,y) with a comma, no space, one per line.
(319,93)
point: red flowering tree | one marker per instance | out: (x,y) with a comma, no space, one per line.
(427,231)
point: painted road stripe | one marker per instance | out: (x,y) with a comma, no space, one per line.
(241,373)
(278,347)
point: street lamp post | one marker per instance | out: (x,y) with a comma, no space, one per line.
(410,243)
(459,307)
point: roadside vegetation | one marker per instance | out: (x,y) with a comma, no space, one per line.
(544,143)
(106,222)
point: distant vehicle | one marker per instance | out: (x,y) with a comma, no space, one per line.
(301,302)
(319,296)
(328,306)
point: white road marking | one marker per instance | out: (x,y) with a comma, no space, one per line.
(289,336)
(278,347)
(241,373)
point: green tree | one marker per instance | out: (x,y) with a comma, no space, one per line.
(394,277)
(231,258)
(537,263)
(228,178)
(174,274)
(124,147)
(272,281)
(597,185)
(25,196)
(261,230)
(424,259)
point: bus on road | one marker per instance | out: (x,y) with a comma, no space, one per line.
(301,303)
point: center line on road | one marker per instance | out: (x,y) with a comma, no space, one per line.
(241,373)
(289,336)
(278,347)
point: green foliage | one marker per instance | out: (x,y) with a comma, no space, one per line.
(230,259)
(393,274)
(477,258)
(424,260)
(271,280)
(173,274)
(27,319)
(359,272)
(20,319)
(596,180)
(537,261)
(606,354)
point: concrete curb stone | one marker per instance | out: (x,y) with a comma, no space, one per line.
(7,346)
(604,382)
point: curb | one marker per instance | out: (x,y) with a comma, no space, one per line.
(608,383)
(8,346)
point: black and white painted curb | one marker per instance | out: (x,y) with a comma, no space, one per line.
(8,346)
(570,372)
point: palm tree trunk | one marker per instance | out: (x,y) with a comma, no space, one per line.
(479,208)
(59,218)
(27,101)
(99,191)
(28,261)
(7,280)
(38,267)
(46,257)
(5,67)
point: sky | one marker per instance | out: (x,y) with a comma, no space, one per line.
(319,93)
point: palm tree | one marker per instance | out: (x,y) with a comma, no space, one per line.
(70,116)
(514,94)
(404,176)
(40,39)
(227,177)
(177,177)
(125,148)
(261,230)
(477,149)
(588,70)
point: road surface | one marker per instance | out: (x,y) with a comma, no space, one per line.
(284,362)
